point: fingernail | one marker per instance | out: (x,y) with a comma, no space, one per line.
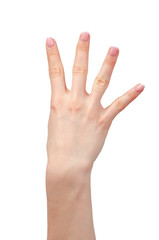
(84,36)
(113,51)
(50,42)
(140,88)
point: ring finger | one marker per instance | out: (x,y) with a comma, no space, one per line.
(102,79)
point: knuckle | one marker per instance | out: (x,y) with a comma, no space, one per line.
(82,47)
(90,115)
(101,81)
(79,69)
(52,52)
(104,124)
(130,95)
(110,61)
(119,105)
(55,70)
(101,123)
(56,104)
(53,107)
(74,106)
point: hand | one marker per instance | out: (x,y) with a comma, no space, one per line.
(78,124)
(77,128)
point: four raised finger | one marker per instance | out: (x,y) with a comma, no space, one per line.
(55,67)
(80,65)
(122,102)
(102,79)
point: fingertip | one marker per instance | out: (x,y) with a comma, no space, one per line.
(113,51)
(140,88)
(50,42)
(84,36)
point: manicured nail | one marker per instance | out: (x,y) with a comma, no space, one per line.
(140,88)
(84,36)
(50,42)
(113,51)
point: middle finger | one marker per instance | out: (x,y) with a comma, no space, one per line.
(80,66)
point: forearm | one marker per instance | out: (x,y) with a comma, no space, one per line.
(69,207)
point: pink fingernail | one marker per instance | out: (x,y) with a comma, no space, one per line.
(84,36)
(140,88)
(113,51)
(50,42)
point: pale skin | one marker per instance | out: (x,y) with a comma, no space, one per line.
(77,128)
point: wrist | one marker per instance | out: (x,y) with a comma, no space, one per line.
(68,200)
(66,177)
(75,169)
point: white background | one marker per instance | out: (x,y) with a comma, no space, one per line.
(125,177)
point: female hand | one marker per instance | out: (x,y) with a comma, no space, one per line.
(78,124)
(77,128)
